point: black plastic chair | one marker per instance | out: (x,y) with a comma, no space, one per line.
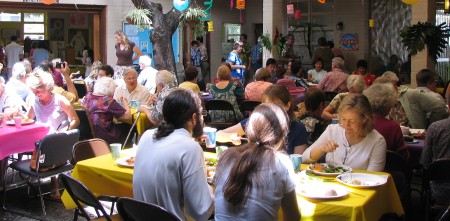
(85,126)
(135,210)
(437,171)
(81,88)
(54,149)
(247,107)
(80,194)
(220,105)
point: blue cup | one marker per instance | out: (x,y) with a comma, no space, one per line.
(133,103)
(296,160)
(210,136)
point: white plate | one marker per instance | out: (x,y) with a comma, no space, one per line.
(123,162)
(24,122)
(367,180)
(412,142)
(320,191)
(416,131)
(205,94)
(310,167)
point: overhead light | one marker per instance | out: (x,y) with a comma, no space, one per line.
(447,6)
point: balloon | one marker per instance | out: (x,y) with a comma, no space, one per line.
(181,5)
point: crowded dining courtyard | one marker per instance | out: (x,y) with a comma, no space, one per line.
(244,110)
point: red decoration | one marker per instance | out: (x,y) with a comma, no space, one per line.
(322,1)
(298,13)
(48,2)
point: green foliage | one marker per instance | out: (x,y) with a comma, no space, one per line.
(415,37)
(265,41)
(281,40)
(194,15)
(139,17)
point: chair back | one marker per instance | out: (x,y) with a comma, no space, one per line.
(80,194)
(135,210)
(438,171)
(81,88)
(56,149)
(248,106)
(85,126)
(86,149)
(220,105)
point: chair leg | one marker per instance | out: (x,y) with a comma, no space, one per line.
(42,197)
(4,192)
(75,214)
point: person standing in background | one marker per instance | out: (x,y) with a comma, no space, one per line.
(88,55)
(336,51)
(124,52)
(324,52)
(256,56)
(205,73)
(14,53)
(196,56)
(245,56)
(39,54)
(237,67)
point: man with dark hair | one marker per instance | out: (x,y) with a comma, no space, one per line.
(288,51)
(422,105)
(314,104)
(13,54)
(169,169)
(190,79)
(296,74)
(106,71)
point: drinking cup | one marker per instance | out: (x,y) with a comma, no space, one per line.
(115,150)
(296,160)
(210,136)
(335,121)
(133,103)
(405,130)
(18,122)
(138,104)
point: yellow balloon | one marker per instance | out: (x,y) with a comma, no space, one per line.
(410,2)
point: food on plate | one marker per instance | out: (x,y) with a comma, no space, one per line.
(330,192)
(130,160)
(210,166)
(327,168)
(355,182)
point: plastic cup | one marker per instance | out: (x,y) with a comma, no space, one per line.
(133,104)
(296,160)
(138,104)
(210,136)
(115,150)
(18,122)
(335,121)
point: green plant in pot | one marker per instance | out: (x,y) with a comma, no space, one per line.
(416,37)
(265,41)
(139,17)
(192,17)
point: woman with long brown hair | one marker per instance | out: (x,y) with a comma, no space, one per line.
(252,181)
(124,52)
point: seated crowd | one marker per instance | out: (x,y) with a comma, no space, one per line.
(354,127)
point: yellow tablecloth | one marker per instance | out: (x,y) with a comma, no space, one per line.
(142,124)
(103,177)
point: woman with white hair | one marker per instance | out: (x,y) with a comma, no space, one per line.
(102,109)
(9,102)
(148,73)
(355,85)
(18,80)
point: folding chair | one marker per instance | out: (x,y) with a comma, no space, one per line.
(85,126)
(54,149)
(213,107)
(81,87)
(401,172)
(247,107)
(135,210)
(86,149)
(437,171)
(80,194)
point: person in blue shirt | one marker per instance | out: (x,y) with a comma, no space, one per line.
(237,67)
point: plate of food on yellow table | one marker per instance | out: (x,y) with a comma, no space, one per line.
(327,169)
(362,180)
(322,191)
(126,161)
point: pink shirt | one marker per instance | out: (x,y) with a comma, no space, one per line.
(334,81)
(254,90)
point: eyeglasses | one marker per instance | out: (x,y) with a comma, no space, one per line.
(204,113)
(347,151)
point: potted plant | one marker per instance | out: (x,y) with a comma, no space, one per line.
(415,37)
(139,17)
(192,17)
(265,41)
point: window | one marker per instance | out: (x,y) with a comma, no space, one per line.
(10,17)
(232,32)
(34,25)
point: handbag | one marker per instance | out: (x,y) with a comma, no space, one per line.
(41,159)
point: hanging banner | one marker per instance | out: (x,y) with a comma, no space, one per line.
(349,42)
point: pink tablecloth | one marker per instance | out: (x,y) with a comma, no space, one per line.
(13,140)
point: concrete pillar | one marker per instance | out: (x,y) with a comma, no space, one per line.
(273,19)
(422,11)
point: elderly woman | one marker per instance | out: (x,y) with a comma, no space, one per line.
(165,83)
(355,84)
(254,90)
(382,98)
(10,102)
(49,108)
(102,109)
(227,90)
(353,142)
(93,75)
(252,180)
